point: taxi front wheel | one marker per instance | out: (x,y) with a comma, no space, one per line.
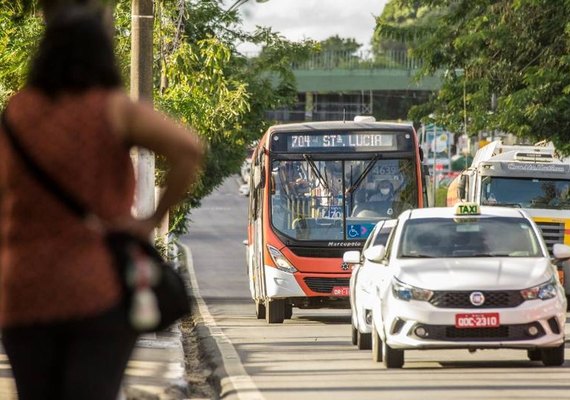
(553,357)
(393,358)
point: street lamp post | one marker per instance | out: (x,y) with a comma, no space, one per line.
(239,3)
(142,20)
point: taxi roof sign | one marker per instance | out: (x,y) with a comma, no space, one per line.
(467,209)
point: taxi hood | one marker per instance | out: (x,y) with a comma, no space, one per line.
(501,273)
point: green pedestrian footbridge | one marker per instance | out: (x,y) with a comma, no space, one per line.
(340,85)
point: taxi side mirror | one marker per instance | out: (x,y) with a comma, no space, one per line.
(375,253)
(351,257)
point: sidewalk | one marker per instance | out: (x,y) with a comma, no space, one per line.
(156,370)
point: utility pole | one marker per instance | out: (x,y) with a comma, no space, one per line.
(142,20)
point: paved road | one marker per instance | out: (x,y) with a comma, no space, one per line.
(310,356)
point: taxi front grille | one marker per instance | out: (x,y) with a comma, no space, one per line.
(325,285)
(503,333)
(552,232)
(460,299)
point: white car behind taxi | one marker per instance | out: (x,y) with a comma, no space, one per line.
(468,277)
(366,272)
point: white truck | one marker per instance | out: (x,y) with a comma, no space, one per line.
(533,178)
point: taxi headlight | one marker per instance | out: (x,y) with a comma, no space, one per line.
(280,261)
(406,292)
(544,291)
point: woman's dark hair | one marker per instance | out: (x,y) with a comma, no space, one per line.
(75,54)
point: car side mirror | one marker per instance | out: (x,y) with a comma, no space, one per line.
(351,257)
(375,253)
(561,252)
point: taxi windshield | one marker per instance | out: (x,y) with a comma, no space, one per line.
(468,237)
(314,199)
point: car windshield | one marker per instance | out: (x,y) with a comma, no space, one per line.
(339,199)
(468,237)
(526,192)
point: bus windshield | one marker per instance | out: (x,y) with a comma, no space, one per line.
(526,192)
(314,199)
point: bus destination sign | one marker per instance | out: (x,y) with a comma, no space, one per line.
(363,141)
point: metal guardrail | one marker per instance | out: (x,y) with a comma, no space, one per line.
(359,60)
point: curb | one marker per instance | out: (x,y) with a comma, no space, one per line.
(229,378)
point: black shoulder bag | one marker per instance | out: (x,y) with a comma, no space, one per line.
(154,294)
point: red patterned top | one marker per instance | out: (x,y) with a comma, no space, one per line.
(51,266)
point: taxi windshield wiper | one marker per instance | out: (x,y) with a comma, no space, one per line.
(416,256)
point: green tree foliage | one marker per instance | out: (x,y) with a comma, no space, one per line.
(205,82)
(516,51)
(337,52)
(397,15)
(199,75)
(19,30)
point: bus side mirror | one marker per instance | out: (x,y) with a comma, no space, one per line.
(461,187)
(258,178)
(421,154)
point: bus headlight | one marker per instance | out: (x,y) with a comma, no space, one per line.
(544,291)
(406,292)
(280,261)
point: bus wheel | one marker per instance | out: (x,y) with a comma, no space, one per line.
(288,311)
(260,309)
(274,311)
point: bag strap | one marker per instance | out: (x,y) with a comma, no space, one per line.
(42,177)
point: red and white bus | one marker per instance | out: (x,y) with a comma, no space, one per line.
(315,192)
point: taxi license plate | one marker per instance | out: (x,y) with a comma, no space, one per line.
(340,291)
(477,320)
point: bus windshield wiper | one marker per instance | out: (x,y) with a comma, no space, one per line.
(316,171)
(363,174)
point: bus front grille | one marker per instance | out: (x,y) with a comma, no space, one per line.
(552,232)
(325,285)
(319,252)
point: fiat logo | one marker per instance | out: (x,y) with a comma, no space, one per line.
(477,298)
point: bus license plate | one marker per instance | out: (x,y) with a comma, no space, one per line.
(340,291)
(479,320)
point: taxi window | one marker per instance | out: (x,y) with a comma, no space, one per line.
(382,235)
(475,237)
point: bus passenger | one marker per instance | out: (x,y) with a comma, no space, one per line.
(384,191)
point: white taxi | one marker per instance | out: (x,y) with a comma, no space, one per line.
(469,277)
(365,273)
